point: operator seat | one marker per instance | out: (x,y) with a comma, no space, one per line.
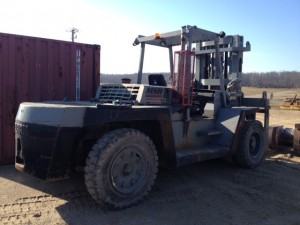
(157,79)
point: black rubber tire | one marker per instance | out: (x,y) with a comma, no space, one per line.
(121,168)
(252,145)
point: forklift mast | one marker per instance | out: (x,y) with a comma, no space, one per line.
(206,60)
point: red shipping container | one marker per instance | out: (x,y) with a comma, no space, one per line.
(38,69)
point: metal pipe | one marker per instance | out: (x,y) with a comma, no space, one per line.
(171,60)
(267,114)
(140,72)
(280,136)
(183,37)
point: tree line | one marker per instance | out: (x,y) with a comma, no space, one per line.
(117,78)
(284,79)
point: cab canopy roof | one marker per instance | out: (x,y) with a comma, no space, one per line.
(191,33)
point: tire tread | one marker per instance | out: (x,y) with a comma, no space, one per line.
(96,159)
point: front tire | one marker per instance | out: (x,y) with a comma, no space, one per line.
(252,145)
(121,168)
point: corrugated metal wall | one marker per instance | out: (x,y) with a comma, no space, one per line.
(38,69)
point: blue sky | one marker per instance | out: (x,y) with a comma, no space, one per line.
(272,27)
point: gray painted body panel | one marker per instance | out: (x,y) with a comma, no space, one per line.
(187,134)
(60,115)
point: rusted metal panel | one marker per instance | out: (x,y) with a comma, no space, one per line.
(296,141)
(38,69)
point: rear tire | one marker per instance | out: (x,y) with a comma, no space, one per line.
(252,145)
(121,168)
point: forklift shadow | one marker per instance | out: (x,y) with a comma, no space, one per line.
(56,188)
(171,187)
(194,192)
(186,190)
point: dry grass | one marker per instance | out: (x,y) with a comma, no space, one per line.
(278,116)
(276,95)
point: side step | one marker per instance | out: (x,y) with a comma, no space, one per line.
(200,154)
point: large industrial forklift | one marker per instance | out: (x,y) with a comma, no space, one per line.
(123,134)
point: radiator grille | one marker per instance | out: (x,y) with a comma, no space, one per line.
(125,94)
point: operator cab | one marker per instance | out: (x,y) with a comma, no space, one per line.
(196,70)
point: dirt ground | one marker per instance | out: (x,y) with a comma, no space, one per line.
(212,192)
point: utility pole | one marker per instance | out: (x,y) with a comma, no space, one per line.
(73,33)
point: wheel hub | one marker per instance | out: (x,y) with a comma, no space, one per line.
(128,170)
(254,145)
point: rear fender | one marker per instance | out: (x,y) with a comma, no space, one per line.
(159,131)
